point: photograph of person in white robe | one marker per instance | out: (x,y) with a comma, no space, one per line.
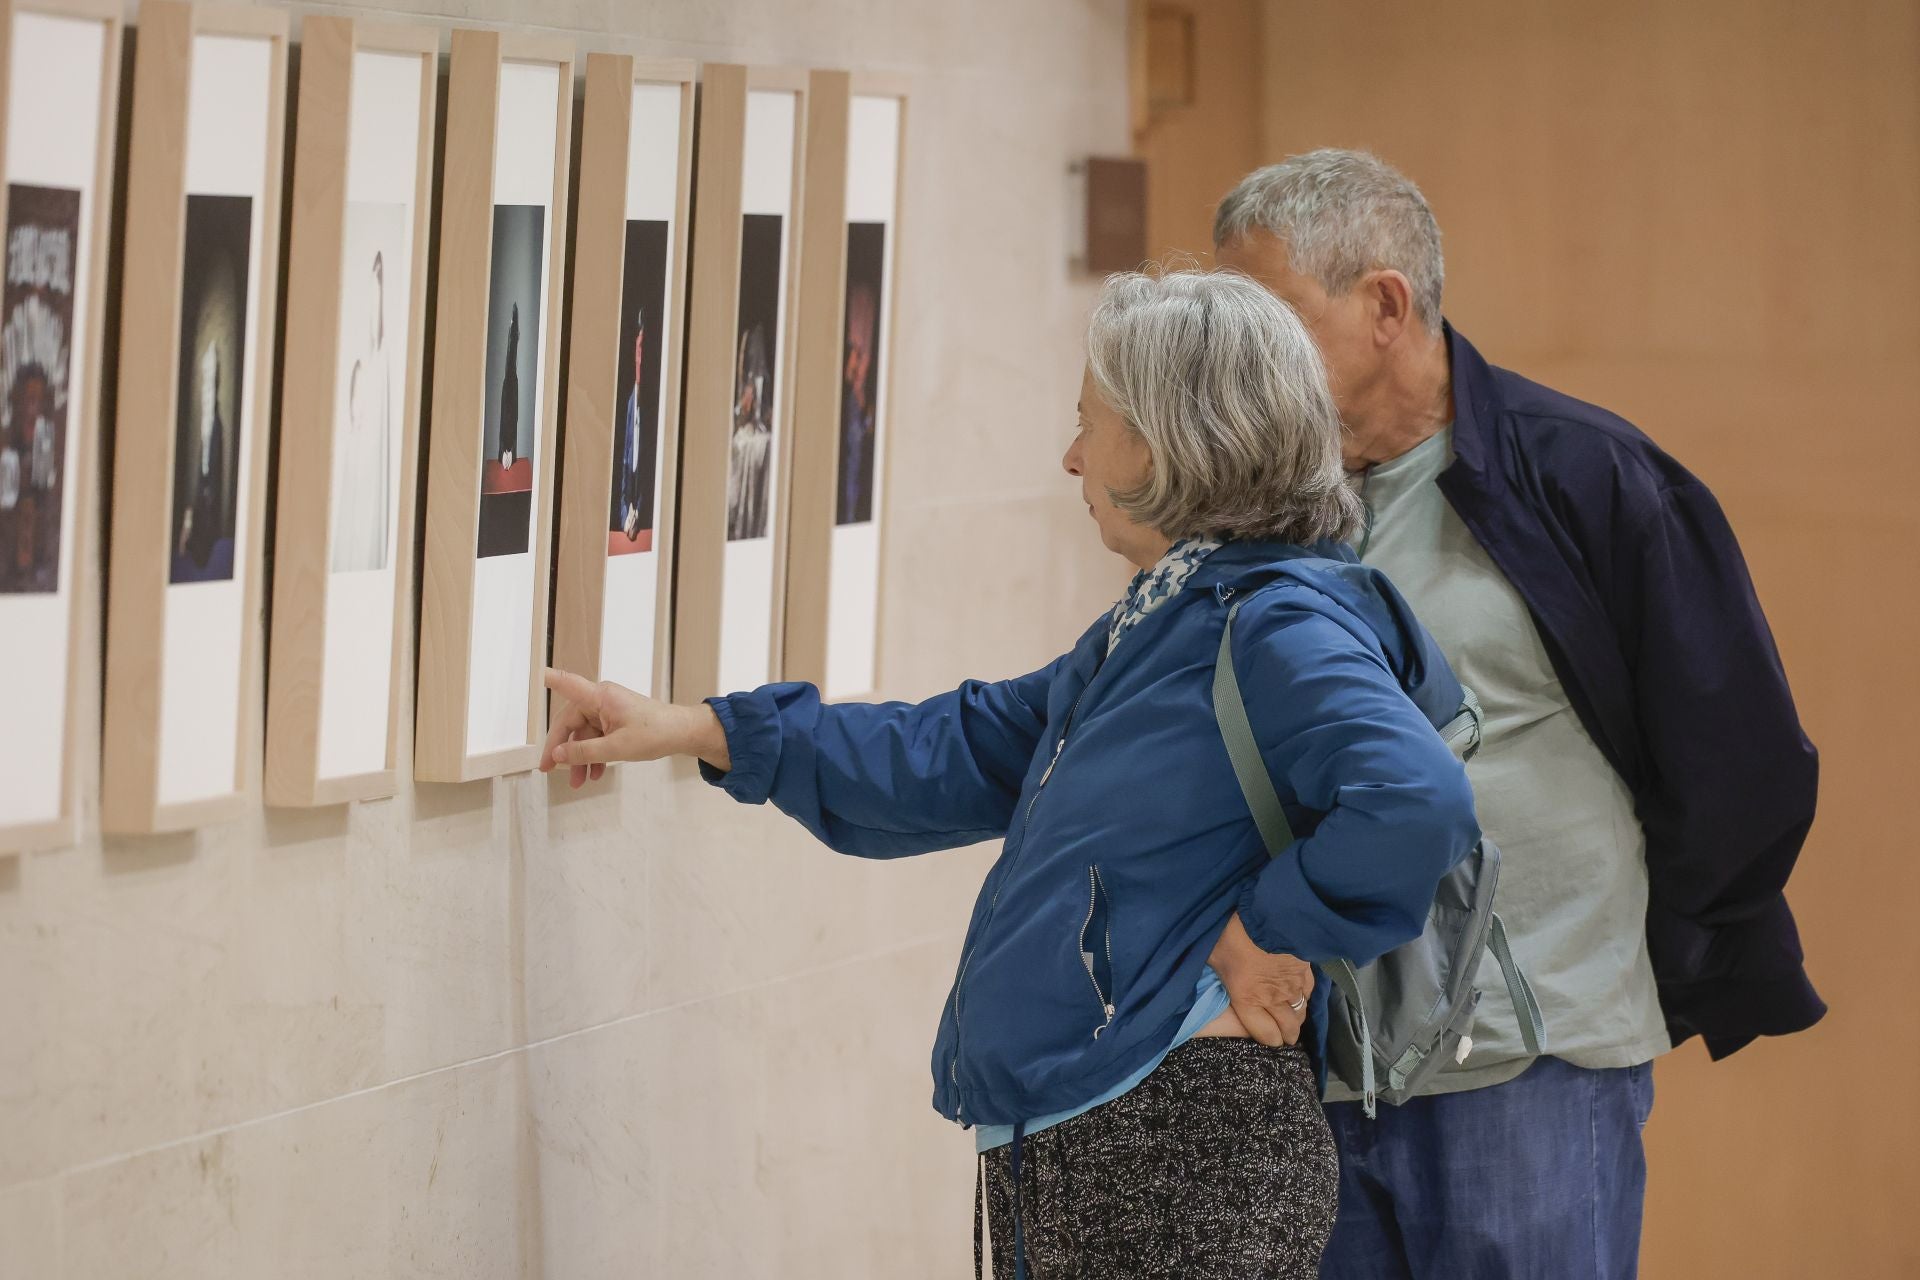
(750,461)
(368,401)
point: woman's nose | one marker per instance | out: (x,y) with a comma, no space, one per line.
(1070,461)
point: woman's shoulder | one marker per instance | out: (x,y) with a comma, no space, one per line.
(1304,609)
(1318,601)
(1315,607)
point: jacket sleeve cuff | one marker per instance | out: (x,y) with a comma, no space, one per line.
(1729,1015)
(751,724)
(1259,923)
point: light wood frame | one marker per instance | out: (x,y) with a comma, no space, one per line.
(821,318)
(454,457)
(82,480)
(712,330)
(600,218)
(307,419)
(150,337)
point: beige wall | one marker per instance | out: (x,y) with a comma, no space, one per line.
(1703,216)
(493,1031)
(1195,153)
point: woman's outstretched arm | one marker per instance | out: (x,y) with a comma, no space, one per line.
(878,780)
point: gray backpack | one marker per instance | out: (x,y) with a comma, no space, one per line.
(1411,1010)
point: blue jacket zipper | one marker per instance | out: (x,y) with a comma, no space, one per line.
(953,1004)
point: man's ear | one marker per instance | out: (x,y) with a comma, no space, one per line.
(1390,299)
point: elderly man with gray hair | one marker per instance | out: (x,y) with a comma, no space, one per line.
(1644,770)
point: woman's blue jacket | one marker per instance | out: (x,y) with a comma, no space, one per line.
(1127,843)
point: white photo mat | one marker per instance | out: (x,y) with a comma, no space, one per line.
(500,669)
(747,579)
(205,623)
(631,593)
(383,136)
(53,138)
(853,568)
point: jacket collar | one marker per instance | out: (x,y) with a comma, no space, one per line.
(1476,407)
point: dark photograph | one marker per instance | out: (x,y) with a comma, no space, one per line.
(636,427)
(750,458)
(860,371)
(211,386)
(513,359)
(43,231)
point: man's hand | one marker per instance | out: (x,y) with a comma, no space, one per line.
(604,722)
(1262,987)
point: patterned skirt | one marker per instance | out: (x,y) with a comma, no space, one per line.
(1218,1164)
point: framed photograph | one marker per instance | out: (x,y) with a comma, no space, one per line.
(612,598)
(182,714)
(60,86)
(854,129)
(503,243)
(349,411)
(737,425)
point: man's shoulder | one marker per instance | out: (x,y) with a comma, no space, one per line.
(1572,443)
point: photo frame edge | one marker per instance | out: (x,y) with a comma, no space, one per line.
(888,86)
(81,739)
(820,318)
(316,225)
(443,648)
(712,315)
(778,79)
(249,744)
(557,268)
(147,352)
(667,517)
(592,374)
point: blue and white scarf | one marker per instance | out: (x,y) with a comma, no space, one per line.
(1153,587)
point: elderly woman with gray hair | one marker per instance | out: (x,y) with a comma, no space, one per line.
(1113,1036)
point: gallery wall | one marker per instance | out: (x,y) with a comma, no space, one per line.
(1200,143)
(497,1029)
(1701,216)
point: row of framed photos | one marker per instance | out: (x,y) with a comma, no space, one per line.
(722,453)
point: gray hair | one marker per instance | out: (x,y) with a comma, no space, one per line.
(1225,386)
(1342,214)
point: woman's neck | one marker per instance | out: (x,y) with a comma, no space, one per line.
(1151,549)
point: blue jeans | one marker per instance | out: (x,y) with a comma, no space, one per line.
(1541,1176)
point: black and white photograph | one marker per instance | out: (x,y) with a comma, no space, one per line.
(369,386)
(636,428)
(750,458)
(512,392)
(43,230)
(860,372)
(211,384)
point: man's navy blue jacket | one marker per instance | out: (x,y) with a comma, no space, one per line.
(1642,597)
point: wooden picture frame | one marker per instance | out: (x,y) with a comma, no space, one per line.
(349,410)
(481,706)
(614,588)
(191,435)
(59,67)
(731,590)
(856,128)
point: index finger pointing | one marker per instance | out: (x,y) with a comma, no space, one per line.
(577,689)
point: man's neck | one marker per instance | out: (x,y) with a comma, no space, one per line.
(1415,404)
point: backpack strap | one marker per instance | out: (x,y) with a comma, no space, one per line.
(1526,1009)
(1230,709)
(1256,784)
(1347,978)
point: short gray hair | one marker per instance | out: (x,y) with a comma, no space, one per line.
(1342,214)
(1224,384)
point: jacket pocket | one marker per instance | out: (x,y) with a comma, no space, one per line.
(1096,947)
